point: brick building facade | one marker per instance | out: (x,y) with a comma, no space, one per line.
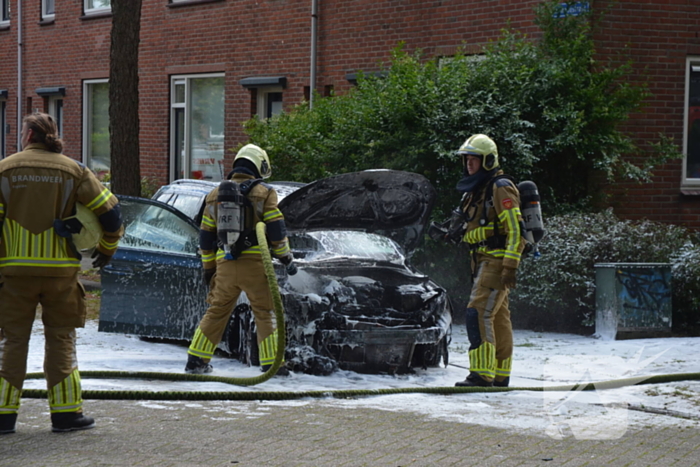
(206,66)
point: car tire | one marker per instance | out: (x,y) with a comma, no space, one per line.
(232,336)
(253,350)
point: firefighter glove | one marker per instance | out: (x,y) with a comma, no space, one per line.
(100,259)
(288,261)
(508,277)
(207,274)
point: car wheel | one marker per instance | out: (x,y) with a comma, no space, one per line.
(233,334)
(253,351)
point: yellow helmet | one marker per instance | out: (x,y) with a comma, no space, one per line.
(91,232)
(258,157)
(482,146)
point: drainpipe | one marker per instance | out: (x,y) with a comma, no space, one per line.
(312,74)
(19,75)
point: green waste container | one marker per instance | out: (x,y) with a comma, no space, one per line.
(633,300)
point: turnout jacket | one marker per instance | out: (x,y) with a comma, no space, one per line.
(503,217)
(38,187)
(264,208)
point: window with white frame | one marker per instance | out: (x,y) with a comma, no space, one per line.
(691,169)
(197,127)
(47,9)
(4,12)
(3,128)
(269,101)
(97,6)
(96,153)
(56,111)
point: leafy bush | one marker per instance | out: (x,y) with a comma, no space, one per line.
(686,288)
(149,185)
(552,105)
(557,290)
(449,266)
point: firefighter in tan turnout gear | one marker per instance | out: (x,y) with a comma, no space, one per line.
(490,209)
(230,269)
(39,264)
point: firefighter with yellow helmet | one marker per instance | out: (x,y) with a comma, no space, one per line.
(40,192)
(232,260)
(490,210)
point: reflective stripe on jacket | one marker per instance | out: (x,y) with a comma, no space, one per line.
(38,187)
(503,216)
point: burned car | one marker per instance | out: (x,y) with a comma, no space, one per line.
(356,302)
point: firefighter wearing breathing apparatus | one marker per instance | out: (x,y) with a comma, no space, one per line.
(491,220)
(40,192)
(232,260)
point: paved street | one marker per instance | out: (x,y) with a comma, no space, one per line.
(300,433)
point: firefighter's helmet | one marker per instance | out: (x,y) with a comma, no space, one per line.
(91,231)
(483,147)
(258,157)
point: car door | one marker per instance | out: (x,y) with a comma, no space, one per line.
(153,286)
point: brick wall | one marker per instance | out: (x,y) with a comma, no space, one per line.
(658,36)
(245,38)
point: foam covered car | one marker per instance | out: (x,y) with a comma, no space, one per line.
(356,302)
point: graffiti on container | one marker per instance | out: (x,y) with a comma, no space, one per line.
(645,295)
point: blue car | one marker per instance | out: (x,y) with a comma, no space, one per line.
(356,303)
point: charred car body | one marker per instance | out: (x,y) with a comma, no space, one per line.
(356,302)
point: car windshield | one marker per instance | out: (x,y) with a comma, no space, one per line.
(329,244)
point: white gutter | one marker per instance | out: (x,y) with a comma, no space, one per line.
(312,74)
(19,75)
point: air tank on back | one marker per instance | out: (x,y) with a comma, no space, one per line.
(230,220)
(531,211)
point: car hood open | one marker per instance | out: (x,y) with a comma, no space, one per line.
(392,203)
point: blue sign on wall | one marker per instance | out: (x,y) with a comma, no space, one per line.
(571,9)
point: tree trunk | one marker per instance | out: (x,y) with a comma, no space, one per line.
(124,97)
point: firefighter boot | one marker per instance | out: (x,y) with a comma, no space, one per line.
(474,379)
(197,365)
(70,421)
(7,423)
(502,384)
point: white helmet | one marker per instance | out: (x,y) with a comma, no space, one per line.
(483,147)
(258,157)
(91,232)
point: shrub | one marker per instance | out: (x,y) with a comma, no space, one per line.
(556,291)
(449,266)
(554,107)
(686,289)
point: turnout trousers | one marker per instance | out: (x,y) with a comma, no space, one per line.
(245,274)
(63,309)
(489,328)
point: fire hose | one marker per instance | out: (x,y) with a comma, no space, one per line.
(289,395)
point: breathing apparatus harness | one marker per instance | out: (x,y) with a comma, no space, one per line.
(531,227)
(233,210)
(496,241)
